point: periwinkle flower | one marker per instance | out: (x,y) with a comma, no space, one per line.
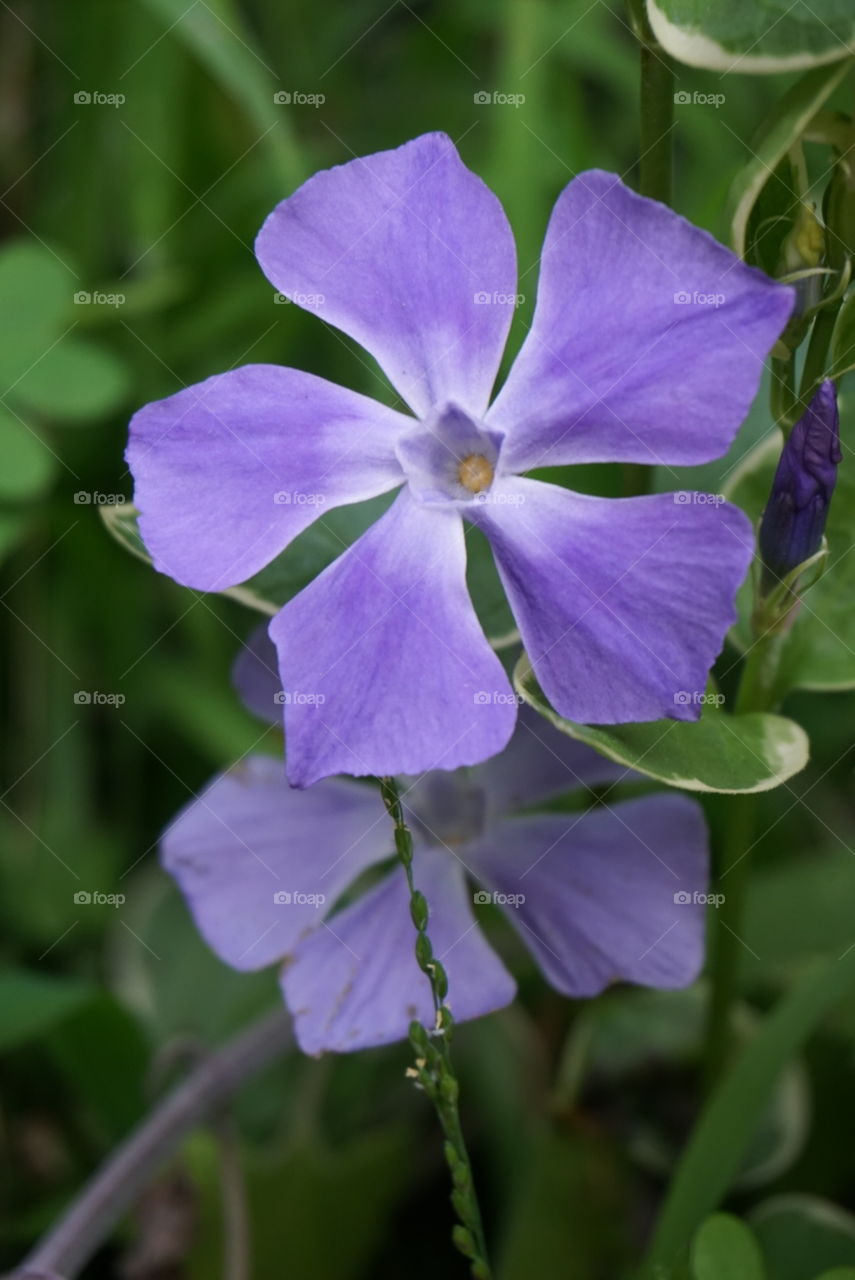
(793,523)
(610,894)
(646,346)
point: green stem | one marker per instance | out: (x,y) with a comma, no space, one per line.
(636,479)
(840,220)
(726,944)
(757,692)
(433,1070)
(784,399)
(816,359)
(656,109)
(758,683)
(657,120)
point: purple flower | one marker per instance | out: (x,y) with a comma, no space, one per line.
(794,519)
(646,346)
(611,894)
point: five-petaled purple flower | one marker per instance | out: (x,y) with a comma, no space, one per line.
(611,894)
(793,522)
(646,346)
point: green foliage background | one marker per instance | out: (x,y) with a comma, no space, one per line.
(159,199)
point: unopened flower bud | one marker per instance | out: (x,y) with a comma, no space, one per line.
(793,522)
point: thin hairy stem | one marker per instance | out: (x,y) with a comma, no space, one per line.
(433,1070)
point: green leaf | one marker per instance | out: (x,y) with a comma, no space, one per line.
(365,1178)
(13,526)
(36,293)
(211,1000)
(26,463)
(843,340)
(798,910)
(316,548)
(74,381)
(570,1205)
(713,1154)
(724,1247)
(216,34)
(750,35)
(801,1235)
(121,521)
(31,1004)
(103,1054)
(820,648)
(781,128)
(43,367)
(637,1041)
(719,752)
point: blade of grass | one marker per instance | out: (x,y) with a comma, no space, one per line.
(715,1149)
(215,33)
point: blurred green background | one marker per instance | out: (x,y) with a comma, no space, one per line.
(117,703)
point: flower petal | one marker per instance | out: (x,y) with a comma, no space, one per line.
(384,664)
(229,471)
(610,895)
(356,983)
(539,763)
(255,675)
(248,837)
(647,342)
(623,604)
(412,255)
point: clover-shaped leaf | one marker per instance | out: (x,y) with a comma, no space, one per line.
(46,370)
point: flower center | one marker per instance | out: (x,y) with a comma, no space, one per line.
(451,457)
(475,472)
(448,809)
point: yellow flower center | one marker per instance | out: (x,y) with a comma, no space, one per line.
(475,473)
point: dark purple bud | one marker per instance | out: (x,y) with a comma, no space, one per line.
(794,520)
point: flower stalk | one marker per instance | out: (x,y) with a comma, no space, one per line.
(93,1215)
(656,108)
(657,119)
(792,553)
(433,1071)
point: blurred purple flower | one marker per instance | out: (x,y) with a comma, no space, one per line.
(646,346)
(612,894)
(793,522)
